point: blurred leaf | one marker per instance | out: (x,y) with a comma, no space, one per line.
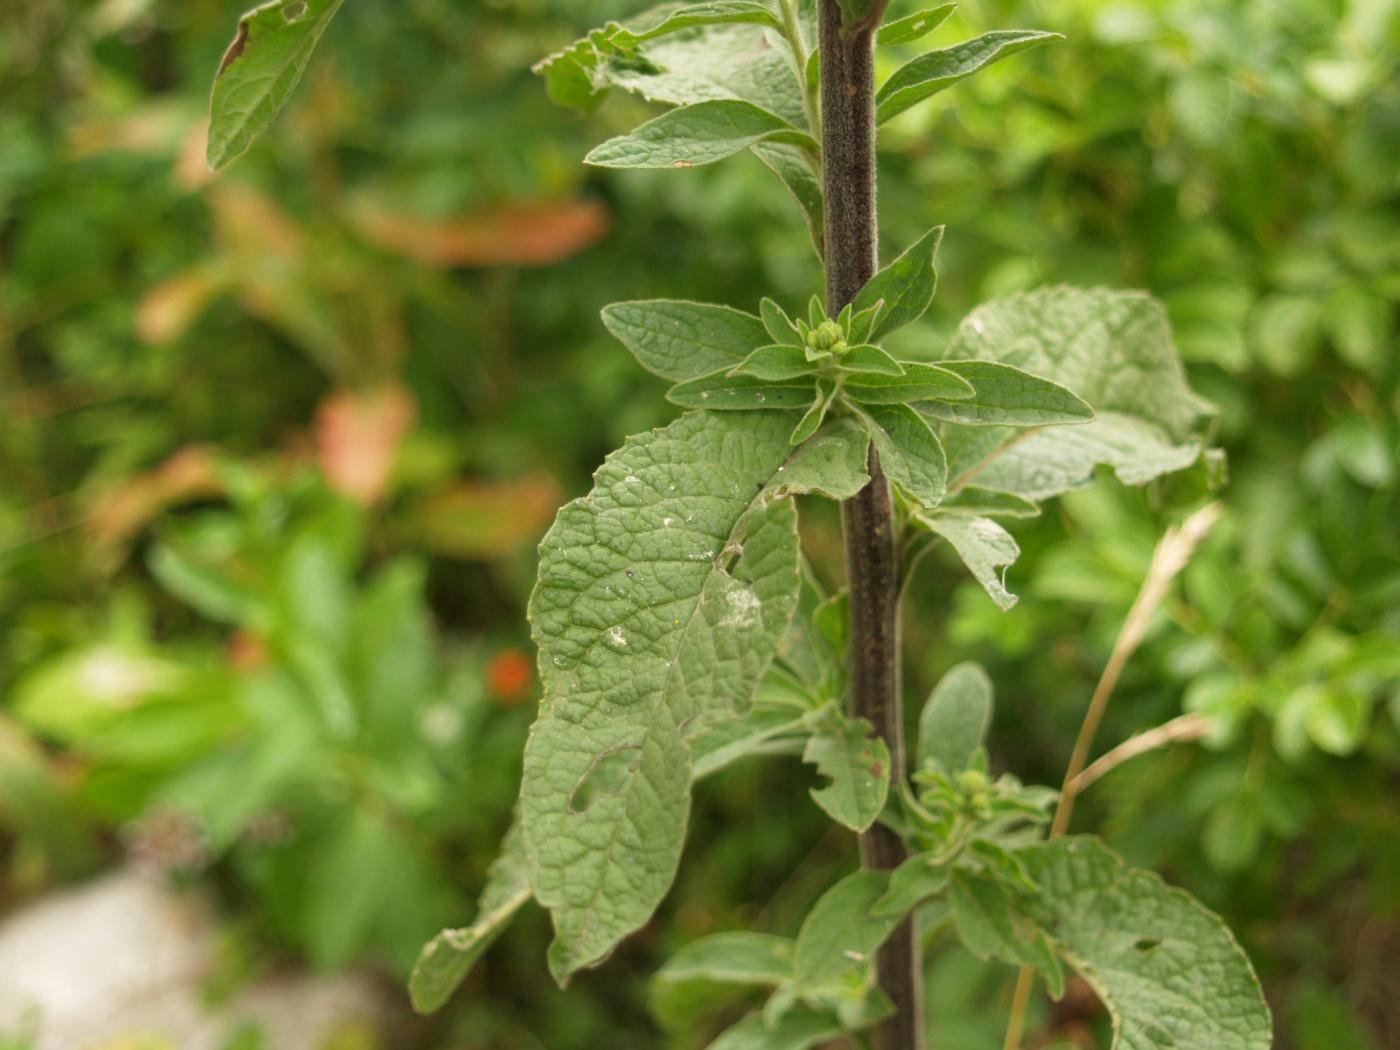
(484,520)
(260,71)
(357,438)
(523,234)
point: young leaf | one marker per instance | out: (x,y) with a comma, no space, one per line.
(778,324)
(909,452)
(954,721)
(1169,971)
(449,956)
(680,340)
(906,285)
(840,934)
(813,418)
(912,883)
(870,360)
(704,970)
(661,598)
(984,547)
(1007,396)
(260,70)
(697,134)
(990,926)
(794,168)
(913,27)
(858,766)
(929,74)
(774,362)
(1114,350)
(919,382)
(721,392)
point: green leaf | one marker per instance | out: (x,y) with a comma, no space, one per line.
(763,730)
(693,979)
(721,392)
(814,416)
(858,766)
(906,286)
(448,958)
(929,74)
(661,598)
(984,547)
(697,134)
(260,70)
(778,324)
(991,927)
(1113,349)
(988,503)
(774,363)
(913,27)
(680,340)
(870,360)
(795,168)
(716,61)
(832,464)
(668,18)
(796,1030)
(1007,396)
(918,383)
(841,933)
(909,452)
(955,718)
(911,884)
(1169,971)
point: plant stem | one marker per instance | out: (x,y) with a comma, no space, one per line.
(872,565)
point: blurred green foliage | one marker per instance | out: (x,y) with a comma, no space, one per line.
(276,448)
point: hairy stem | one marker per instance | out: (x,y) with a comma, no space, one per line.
(872,564)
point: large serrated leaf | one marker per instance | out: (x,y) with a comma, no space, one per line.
(682,340)
(661,598)
(260,71)
(449,956)
(1168,969)
(929,74)
(1111,348)
(697,134)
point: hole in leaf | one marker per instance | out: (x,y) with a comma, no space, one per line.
(605,777)
(1146,944)
(294,11)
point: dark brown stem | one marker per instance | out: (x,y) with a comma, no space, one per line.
(872,565)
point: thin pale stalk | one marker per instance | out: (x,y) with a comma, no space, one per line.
(1170,557)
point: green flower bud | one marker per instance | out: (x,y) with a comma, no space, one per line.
(827,337)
